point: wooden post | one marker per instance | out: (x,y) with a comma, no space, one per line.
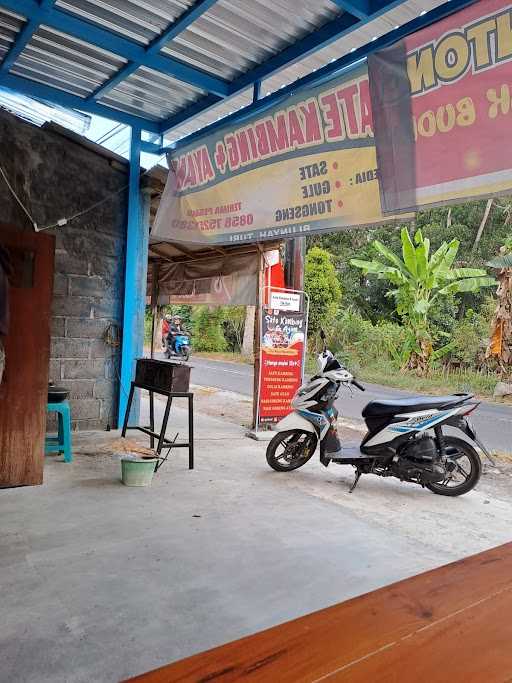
(295,250)
(154,305)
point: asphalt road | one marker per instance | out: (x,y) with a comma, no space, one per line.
(493,421)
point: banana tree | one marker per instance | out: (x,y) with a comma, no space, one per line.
(500,343)
(420,280)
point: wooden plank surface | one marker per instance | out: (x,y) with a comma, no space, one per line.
(452,624)
(24,391)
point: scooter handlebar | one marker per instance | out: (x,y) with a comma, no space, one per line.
(359,386)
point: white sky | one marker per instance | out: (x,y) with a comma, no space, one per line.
(118,139)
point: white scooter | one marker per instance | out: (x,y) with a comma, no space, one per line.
(405,437)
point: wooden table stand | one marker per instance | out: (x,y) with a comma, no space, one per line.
(162,441)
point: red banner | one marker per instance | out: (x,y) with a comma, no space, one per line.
(281,362)
(441,102)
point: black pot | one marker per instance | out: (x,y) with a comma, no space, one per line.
(57,394)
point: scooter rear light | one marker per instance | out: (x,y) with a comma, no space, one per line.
(470,409)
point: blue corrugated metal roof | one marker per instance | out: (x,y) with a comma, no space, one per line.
(179,65)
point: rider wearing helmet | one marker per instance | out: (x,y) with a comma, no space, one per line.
(175,328)
(165,328)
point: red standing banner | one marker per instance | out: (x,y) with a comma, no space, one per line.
(283,344)
(442,110)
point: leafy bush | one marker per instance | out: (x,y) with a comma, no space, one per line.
(323,287)
(208,329)
(469,336)
(360,341)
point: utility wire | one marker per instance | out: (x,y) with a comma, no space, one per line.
(18,199)
(109,133)
(64,221)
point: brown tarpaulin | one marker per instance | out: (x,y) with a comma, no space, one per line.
(222,280)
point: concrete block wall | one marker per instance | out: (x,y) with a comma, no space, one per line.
(84,308)
(57,177)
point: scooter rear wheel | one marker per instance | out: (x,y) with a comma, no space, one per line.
(291,449)
(466,472)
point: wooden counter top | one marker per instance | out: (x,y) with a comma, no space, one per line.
(451,624)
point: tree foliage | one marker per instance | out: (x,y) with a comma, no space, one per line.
(234,324)
(438,225)
(499,349)
(207,327)
(420,279)
(323,287)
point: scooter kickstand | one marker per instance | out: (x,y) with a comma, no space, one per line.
(356,480)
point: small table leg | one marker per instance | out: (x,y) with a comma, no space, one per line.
(128,408)
(152,418)
(191,431)
(164,425)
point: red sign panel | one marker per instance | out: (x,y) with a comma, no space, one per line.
(442,109)
(282,358)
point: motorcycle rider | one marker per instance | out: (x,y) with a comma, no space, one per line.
(165,328)
(175,328)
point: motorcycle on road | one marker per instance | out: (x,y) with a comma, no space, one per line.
(406,437)
(181,347)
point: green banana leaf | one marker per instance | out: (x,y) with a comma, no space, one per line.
(471,284)
(421,307)
(409,253)
(459,273)
(439,353)
(447,261)
(422,258)
(504,261)
(389,255)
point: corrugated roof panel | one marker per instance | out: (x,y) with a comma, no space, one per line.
(364,34)
(10,25)
(231,38)
(69,64)
(140,20)
(217,112)
(235,35)
(151,93)
(352,41)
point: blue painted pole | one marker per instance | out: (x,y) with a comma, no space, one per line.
(137,235)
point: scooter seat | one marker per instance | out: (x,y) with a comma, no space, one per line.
(409,405)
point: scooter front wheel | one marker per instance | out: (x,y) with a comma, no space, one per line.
(291,449)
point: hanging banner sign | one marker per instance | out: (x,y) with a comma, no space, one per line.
(283,344)
(305,165)
(442,110)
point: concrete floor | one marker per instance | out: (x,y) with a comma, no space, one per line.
(99,581)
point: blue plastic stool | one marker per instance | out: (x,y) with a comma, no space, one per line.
(62,442)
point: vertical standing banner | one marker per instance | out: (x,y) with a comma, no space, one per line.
(284,322)
(442,110)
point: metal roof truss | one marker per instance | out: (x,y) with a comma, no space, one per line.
(157,65)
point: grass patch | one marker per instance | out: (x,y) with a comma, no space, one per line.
(439,381)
